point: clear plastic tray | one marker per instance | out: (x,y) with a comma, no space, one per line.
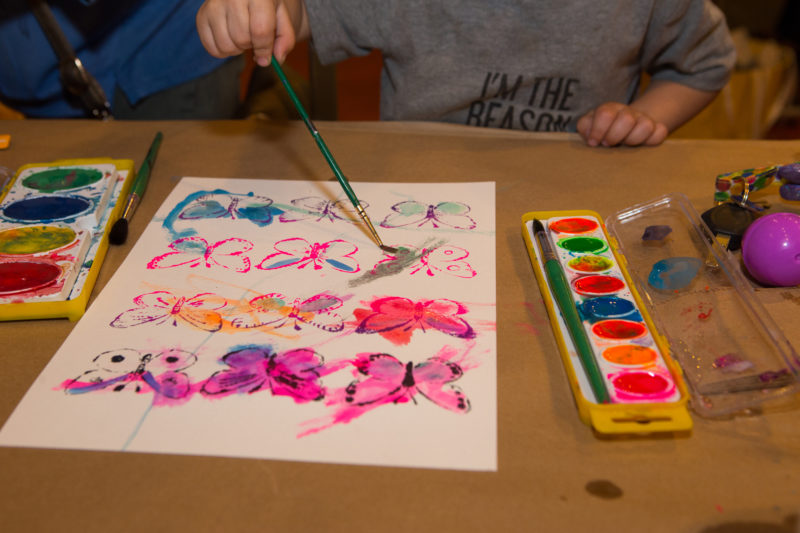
(733,356)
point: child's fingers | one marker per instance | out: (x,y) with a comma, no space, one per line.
(206,20)
(262,30)
(621,127)
(285,37)
(602,119)
(641,131)
(658,136)
(222,27)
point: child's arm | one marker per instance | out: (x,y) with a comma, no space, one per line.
(229,27)
(647,120)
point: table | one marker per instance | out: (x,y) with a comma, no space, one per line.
(554,473)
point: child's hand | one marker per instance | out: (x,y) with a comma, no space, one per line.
(613,123)
(229,27)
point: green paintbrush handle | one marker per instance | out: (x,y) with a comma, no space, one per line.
(140,183)
(315,133)
(560,288)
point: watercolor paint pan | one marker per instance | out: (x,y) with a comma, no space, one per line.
(54,224)
(733,354)
(645,386)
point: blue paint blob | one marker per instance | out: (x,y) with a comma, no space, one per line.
(604,307)
(674,273)
(340,265)
(46,208)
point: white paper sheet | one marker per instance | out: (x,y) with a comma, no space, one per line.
(258,319)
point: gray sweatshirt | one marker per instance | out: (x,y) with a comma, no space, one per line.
(532,65)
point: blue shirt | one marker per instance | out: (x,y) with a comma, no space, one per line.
(141,46)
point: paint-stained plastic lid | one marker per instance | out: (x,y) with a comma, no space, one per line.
(733,355)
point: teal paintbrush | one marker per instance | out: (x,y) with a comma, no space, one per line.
(329,157)
(119,231)
(559,286)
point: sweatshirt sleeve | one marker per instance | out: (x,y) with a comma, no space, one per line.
(688,42)
(342,29)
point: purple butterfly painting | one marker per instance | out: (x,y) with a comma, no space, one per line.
(294,373)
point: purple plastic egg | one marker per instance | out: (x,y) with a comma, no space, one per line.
(790,191)
(790,173)
(771,249)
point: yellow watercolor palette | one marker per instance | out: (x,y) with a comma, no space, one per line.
(644,385)
(54,224)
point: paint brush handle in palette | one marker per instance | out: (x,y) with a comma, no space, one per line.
(563,296)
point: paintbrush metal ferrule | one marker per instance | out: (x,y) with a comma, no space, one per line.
(130,206)
(544,243)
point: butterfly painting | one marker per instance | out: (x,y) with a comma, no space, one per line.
(396,318)
(417,214)
(388,380)
(276,310)
(229,254)
(129,369)
(316,209)
(163,307)
(299,253)
(294,373)
(220,204)
(445,259)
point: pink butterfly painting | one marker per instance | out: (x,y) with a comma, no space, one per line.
(276,310)
(417,214)
(316,209)
(294,373)
(299,253)
(388,380)
(129,369)
(229,254)
(396,318)
(163,307)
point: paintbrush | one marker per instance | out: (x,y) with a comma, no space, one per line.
(559,286)
(329,157)
(119,231)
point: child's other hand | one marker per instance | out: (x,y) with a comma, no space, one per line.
(229,27)
(612,123)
